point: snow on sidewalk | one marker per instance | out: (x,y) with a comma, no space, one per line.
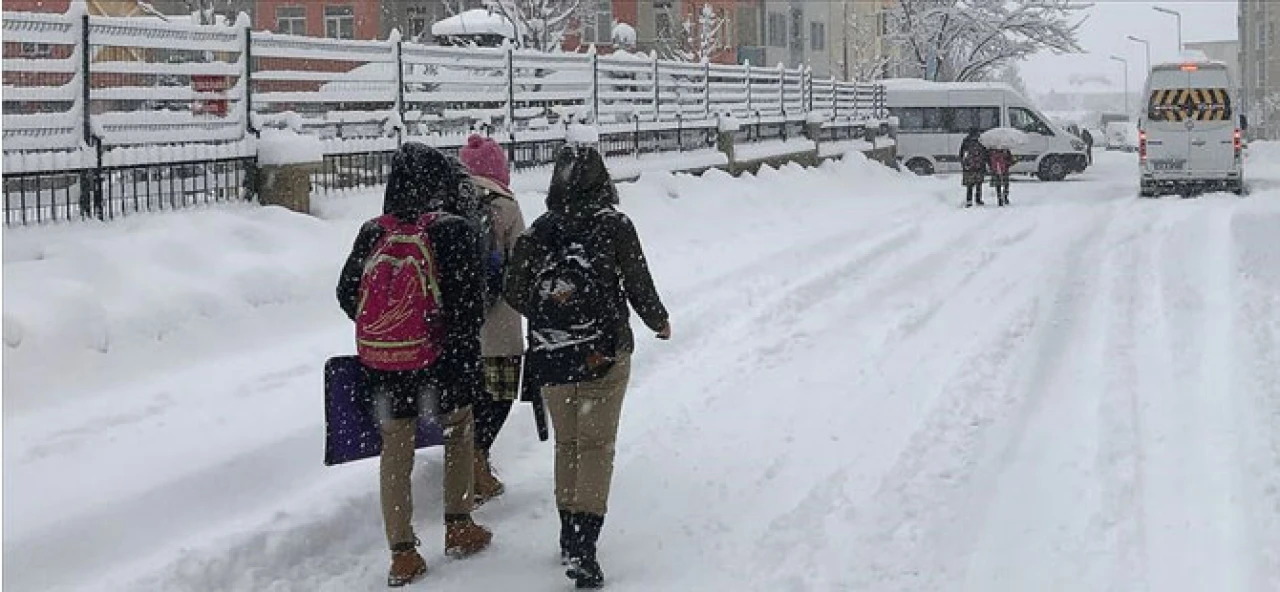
(868,389)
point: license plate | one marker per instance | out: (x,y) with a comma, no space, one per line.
(1168,165)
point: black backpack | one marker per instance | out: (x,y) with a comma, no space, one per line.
(572,325)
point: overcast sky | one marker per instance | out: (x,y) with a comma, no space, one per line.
(1105,34)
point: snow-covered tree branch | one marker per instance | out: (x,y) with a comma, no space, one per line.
(864,56)
(697,39)
(970,39)
(543,24)
(1011,76)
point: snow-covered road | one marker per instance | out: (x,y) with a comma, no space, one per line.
(869,389)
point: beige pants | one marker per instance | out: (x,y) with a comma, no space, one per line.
(397,469)
(585,417)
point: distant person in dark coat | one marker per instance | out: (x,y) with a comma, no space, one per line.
(1088,144)
(973,161)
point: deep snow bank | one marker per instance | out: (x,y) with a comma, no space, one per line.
(94,305)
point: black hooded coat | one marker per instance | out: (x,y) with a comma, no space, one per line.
(580,202)
(425,180)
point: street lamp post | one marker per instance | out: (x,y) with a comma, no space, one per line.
(1178,15)
(1126,82)
(1147,45)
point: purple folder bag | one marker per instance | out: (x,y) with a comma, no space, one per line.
(350,432)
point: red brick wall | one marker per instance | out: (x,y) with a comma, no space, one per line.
(37,5)
(368,15)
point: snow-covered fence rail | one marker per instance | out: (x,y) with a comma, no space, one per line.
(87,97)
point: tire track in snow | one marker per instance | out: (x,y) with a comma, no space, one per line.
(1257,379)
(791,532)
(974,246)
(935,494)
(1118,528)
(856,281)
(1195,527)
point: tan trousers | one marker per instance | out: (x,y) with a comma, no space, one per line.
(397,469)
(585,417)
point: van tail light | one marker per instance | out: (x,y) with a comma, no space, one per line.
(1142,145)
(1237,141)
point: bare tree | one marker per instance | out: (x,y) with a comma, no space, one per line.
(958,40)
(697,39)
(541,24)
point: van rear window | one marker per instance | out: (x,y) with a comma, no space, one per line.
(1189,104)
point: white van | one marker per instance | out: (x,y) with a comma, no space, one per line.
(1189,139)
(1122,135)
(934,117)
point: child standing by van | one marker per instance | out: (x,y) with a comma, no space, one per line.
(1001,162)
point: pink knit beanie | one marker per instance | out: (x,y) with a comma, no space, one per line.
(485,159)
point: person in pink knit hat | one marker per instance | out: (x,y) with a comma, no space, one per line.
(502,337)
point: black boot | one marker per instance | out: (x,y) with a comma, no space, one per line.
(584,569)
(568,523)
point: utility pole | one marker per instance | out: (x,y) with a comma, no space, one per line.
(1126,83)
(1179,17)
(1145,43)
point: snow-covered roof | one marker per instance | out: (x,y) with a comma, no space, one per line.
(478,21)
(624,34)
(1191,56)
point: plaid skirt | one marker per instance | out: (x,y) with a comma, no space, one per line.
(502,377)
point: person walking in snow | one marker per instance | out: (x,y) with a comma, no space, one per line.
(973,161)
(1088,145)
(501,339)
(572,275)
(414,287)
(1001,163)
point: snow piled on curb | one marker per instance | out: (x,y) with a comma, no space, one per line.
(115,302)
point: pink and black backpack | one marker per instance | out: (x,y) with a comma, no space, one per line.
(400,323)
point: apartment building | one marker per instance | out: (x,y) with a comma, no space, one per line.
(1259,28)
(836,38)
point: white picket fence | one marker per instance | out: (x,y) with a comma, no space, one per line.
(81,83)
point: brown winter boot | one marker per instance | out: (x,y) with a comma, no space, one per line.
(406,567)
(487,486)
(463,537)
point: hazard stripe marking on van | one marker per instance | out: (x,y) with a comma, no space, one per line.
(1190,104)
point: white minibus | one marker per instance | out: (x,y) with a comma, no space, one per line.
(1190,138)
(934,117)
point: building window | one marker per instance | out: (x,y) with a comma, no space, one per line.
(748,26)
(419,22)
(36,50)
(291,20)
(1262,36)
(817,36)
(339,22)
(777,29)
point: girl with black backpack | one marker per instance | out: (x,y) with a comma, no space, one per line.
(573,275)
